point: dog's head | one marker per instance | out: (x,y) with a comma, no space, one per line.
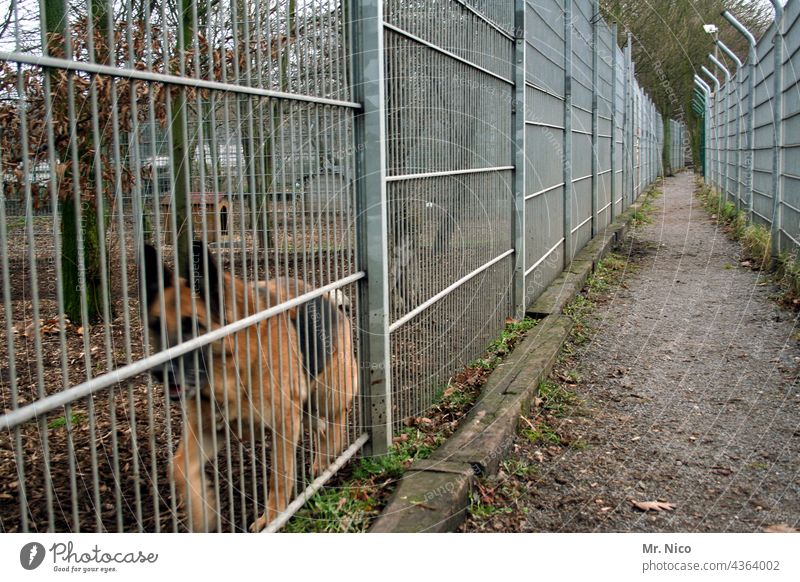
(180,314)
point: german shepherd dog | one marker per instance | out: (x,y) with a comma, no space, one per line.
(294,367)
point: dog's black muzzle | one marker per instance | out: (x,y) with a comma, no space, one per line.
(169,375)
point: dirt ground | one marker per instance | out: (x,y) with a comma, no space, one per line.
(686,393)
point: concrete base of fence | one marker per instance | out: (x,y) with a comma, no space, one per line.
(433,495)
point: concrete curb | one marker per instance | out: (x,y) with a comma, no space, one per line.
(433,495)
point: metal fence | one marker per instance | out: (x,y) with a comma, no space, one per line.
(752,136)
(678,140)
(376,187)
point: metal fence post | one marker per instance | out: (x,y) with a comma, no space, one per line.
(727,74)
(732,55)
(518,112)
(367,50)
(567,161)
(595,120)
(614,150)
(749,130)
(706,89)
(626,123)
(716,175)
(631,121)
(777,120)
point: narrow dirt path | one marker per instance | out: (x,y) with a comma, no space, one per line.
(688,393)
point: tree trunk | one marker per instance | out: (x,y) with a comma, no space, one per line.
(180,150)
(77,228)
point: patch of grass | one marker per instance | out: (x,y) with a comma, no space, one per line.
(556,399)
(756,244)
(480,510)
(519,468)
(502,346)
(543,433)
(579,445)
(643,215)
(613,262)
(61,422)
(788,273)
(335,510)
(580,307)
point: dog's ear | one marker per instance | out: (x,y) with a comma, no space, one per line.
(151,268)
(206,275)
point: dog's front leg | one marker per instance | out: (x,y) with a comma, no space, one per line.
(196,447)
(286,430)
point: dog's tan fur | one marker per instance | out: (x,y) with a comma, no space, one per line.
(276,396)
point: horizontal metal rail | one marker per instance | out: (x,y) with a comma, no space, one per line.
(547,91)
(447,173)
(153,77)
(483,18)
(545,191)
(544,257)
(581,225)
(542,124)
(790,237)
(445,52)
(445,292)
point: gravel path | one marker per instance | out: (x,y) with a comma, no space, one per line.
(689,394)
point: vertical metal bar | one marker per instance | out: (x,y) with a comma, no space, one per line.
(19,454)
(518,112)
(614,113)
(717,171)
(595,120)
(101,239)
(365,19)
(567,161)
(626,122)
(727,73)
(777,121)
(750,111)
(731,55)
(630,118)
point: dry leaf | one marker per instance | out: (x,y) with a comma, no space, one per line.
(400,439)
(652,505)
(780,528)
(511,321)
(528,422)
